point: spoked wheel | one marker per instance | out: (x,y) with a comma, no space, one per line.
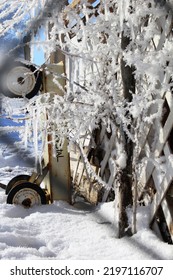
(19,179)
(20,80)
(27,195)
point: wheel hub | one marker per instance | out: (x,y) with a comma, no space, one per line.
(20,80)
(27,198)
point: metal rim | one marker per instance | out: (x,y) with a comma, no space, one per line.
(26,195)
(27,198)
(20,81)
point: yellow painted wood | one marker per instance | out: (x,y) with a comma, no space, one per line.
(54,71)
(58,179)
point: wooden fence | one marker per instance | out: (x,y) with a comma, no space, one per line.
(154,181)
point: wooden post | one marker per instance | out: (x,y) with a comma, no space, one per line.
(58,180)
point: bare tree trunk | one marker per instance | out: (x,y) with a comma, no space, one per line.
(135,197)
(128,81)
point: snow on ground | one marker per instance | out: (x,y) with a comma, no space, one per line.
(62,231)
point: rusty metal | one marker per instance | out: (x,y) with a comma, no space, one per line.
(27,195)
(3,186)
(41,176)
(27,198)
(33,177)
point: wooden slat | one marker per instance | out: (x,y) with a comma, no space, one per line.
(75,3)
(143,139)
(161,190)
(162,185)
(168,216)
(80,172)
(160,145)
(147,149)
(169,99)
(107,155)
(167,151)
(145,175)
(156,229)
(168,219)
(75,161)
(164,134)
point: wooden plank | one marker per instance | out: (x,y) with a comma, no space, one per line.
(164,134)
(156,229)
(58,179)
(143,138)
(168,216)
(63,176)
(157,182)
(80,172)
(160,145)
(107,154)
(167,150)
(147,149)
(74,163)
(169,99)
(53,71)
(145,175)
(76,2)
(161,191)
(89,191)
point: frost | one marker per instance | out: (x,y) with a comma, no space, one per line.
(94,94)
(94,91)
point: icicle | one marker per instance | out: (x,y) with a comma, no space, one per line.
(106,8)
(35,135)
(26,134)
(121,13)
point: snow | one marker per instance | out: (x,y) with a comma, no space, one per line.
(62,231)
(81,231)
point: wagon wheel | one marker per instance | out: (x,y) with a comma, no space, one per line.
(16,181)
(21,80)
(27,195)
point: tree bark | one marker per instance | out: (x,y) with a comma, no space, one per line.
(128,80)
